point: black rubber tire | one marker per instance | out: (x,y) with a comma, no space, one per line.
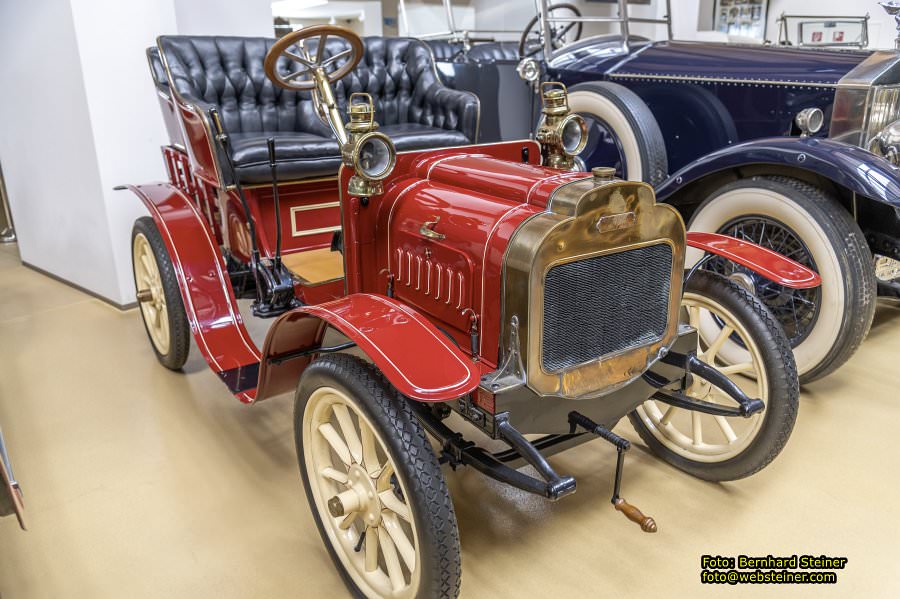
(850,252)
(784,390)
(415,461)
(179,329)
(642,128)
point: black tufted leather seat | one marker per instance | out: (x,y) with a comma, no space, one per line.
(157,70)
(487,52)
(411,104)
(495,51)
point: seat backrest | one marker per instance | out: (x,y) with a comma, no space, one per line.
(157,71)
(227,72)
(495,51)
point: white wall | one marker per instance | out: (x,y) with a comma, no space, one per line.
(513,16)
(369,10)
(224,17)
(79,115)
(48,150)
(124,112)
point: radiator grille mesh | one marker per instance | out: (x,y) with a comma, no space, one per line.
(604,305)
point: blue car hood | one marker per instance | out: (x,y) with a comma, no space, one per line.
(714,61)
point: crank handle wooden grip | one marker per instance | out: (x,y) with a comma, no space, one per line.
(646,523)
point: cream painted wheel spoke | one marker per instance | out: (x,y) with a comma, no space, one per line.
(348,520)
(163,318)
(354,445)
(401,541)
(395,570)
(341,452)
(384,479)
(369,453)
(335,475)
(737,368)
(726,429)
(336,443)
(149,266)
(668,415)
(147,277)
(696,429)
(393,503)
(731,351)
(710,354)
(371,549)
(694,316)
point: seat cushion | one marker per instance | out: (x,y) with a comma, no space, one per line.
(306,155)
(410,136)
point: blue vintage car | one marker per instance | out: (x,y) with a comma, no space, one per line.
(795,148)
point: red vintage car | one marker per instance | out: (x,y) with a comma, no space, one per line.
(489,281)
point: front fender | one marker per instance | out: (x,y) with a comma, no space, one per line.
(760,260)
(849,166)
(418,360)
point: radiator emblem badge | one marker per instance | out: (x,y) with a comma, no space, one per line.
(614,222)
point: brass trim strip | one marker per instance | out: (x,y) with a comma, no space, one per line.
(320,206)
(307,232)
(694,78)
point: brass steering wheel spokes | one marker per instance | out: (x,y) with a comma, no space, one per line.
(306,66)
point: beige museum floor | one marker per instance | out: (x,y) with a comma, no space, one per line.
(145,483)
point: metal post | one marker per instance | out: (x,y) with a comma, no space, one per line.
(623,14)
(8,233)
(401,16)
(545,29)
(669,18)
(448,6)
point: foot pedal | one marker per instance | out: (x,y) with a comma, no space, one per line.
(631,512)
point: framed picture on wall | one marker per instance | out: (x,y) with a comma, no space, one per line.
(744,18)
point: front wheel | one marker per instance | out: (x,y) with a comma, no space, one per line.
(824,325)
(373,484)
(737,335)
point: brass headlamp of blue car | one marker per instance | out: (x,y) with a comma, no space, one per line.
(369,153)
(562,135)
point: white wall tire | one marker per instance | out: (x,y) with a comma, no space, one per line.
(630,121)
(739,337)
(835,246)
(359,443)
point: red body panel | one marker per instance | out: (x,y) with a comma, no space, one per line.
(764,261)
(415,357)
(209,301)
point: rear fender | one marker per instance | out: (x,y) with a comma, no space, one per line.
(851,167)
(209,301)
(416,358)
(760,260)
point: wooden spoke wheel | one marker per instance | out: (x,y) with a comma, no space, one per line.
(373,483)
(738,336)
(158,295)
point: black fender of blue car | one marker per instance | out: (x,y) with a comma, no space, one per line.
(848,166)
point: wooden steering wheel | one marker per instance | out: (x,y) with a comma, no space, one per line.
(307,63)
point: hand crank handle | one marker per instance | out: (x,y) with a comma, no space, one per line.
(631,512)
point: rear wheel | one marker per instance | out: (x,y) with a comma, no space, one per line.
(159,297)
(373,483)
(824,325)
(737,335)
(622,132)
